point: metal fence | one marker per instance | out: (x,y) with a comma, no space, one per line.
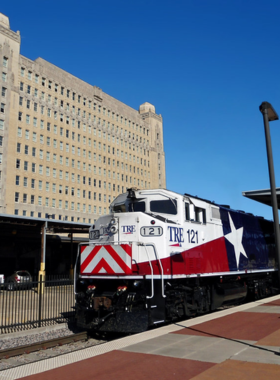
(36,304)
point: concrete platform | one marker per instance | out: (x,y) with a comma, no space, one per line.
(243,342)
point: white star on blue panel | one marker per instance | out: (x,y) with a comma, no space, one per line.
(235,238)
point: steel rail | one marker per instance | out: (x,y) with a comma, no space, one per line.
(27,349)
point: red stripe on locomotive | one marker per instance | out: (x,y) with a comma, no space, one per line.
(210,257)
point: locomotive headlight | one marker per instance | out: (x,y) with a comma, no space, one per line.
(137,284)
(113,229)
(113,221)
(153,222)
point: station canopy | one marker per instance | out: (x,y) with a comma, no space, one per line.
(262,196)
(28,228)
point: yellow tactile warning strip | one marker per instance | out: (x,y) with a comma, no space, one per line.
(234,370)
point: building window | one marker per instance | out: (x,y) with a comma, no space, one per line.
(16,197)
(17,180)
(5,61)
(2,108)
(4,77)
(4,91)
(17,163)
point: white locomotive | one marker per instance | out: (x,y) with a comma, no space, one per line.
(159,255)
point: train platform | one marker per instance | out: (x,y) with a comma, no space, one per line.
(237,343)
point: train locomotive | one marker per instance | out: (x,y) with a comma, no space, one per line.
(159,256)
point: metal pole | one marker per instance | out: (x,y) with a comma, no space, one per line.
(272,186)
(40,283)
(71,258)
(42,271)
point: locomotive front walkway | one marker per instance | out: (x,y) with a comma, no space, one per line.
(240,343)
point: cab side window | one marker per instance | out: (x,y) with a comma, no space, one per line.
(200,215)
(187,211)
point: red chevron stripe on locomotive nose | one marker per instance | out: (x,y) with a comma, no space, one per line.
(106,259)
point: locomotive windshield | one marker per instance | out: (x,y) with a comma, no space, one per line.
(131,206)
(137,206)
(165,206)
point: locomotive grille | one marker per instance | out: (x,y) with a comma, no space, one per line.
(215,213)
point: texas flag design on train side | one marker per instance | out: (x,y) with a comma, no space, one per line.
(243,233)
(106,259)
(235,249)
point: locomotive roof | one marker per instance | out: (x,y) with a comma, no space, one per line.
(122,197)
(220,205)
(201,199)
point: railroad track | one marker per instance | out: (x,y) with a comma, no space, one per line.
(27,349)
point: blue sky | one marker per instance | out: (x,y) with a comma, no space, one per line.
(205,65)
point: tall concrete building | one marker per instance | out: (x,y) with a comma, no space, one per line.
(66,147)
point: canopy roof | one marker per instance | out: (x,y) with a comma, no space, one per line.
(262,196)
